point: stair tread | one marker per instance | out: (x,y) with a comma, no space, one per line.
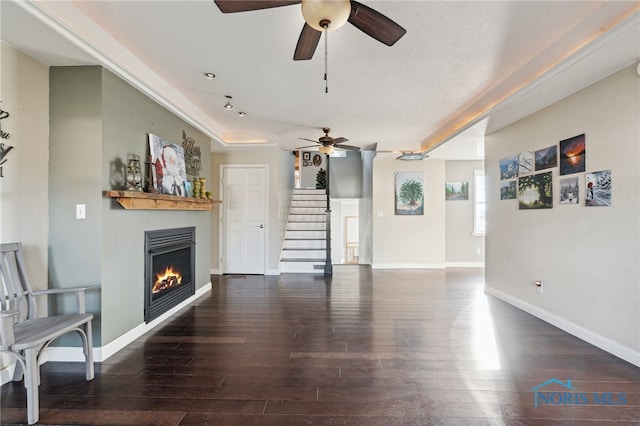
(301,259)
(305,239)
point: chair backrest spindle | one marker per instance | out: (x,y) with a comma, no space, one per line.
(15,290)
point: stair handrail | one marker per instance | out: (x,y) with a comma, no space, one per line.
(328,268)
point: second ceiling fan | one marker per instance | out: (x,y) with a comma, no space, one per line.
(326,143)
(326,15)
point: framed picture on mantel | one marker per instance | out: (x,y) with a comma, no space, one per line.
(169,171)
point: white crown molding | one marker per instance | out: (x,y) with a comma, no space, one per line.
(67,20)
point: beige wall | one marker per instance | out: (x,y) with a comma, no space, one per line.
(587,257)
(461,246)
(408,241)
(24,91)
(280,166)
(24,199)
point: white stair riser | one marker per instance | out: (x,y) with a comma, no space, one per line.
(296,226)
(310,197)
(307,217)
(301,268)
(309,191)
(309,204)
(310,244)
(305,254)
(308,210)
(305,234)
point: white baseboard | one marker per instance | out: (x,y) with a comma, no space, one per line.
(268,272)
(122,341)
(408,266)
(75,354)
(465,264)
(621,351)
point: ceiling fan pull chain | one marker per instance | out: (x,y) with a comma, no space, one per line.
(326,59)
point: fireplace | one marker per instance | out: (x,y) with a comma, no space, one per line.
(169,269)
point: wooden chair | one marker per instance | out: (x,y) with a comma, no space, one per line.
(24,336)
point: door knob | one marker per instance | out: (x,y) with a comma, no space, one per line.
(260,226)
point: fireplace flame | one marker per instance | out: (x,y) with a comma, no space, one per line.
(166,280)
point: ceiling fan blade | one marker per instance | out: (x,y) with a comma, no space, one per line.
(375,24)
(340,140)
(349,147)
(233,6)
(307,43)
(310,146)
(310,140)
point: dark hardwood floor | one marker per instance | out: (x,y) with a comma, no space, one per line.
(412,347)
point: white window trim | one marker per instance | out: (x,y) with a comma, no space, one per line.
(476,232)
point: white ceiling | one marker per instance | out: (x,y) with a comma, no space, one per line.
(460,64)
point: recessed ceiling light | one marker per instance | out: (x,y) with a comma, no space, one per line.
(242,114)
(228,104)
(210,75)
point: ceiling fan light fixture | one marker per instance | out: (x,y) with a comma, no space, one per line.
(316,12)
(412,156)
(326,149)
(228,104)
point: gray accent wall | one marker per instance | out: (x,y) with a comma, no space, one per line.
(586,257)
(95,119)
(346,176)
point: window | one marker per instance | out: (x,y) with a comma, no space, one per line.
(479,203)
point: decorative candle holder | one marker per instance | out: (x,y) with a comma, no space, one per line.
(134,175)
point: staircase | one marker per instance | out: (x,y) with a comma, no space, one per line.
(304,248)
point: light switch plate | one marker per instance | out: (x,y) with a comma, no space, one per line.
(81,211)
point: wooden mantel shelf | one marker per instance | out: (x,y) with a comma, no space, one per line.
(136,200)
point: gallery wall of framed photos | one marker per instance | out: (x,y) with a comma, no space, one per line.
(528,177)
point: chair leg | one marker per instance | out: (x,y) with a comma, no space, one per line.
(18,373)
(88,351)
(31,382)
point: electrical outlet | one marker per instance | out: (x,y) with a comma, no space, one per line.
(478,251)
(81,211)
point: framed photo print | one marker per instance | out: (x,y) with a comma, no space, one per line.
(168,171)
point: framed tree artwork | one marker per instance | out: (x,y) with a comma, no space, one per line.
(456,190)
(409,194)
(535,191)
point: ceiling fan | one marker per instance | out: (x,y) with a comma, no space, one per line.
(326,143)
(413,156)
(321,15)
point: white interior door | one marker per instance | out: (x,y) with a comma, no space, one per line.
(243,220)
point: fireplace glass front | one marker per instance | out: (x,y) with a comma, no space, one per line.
(169,269)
